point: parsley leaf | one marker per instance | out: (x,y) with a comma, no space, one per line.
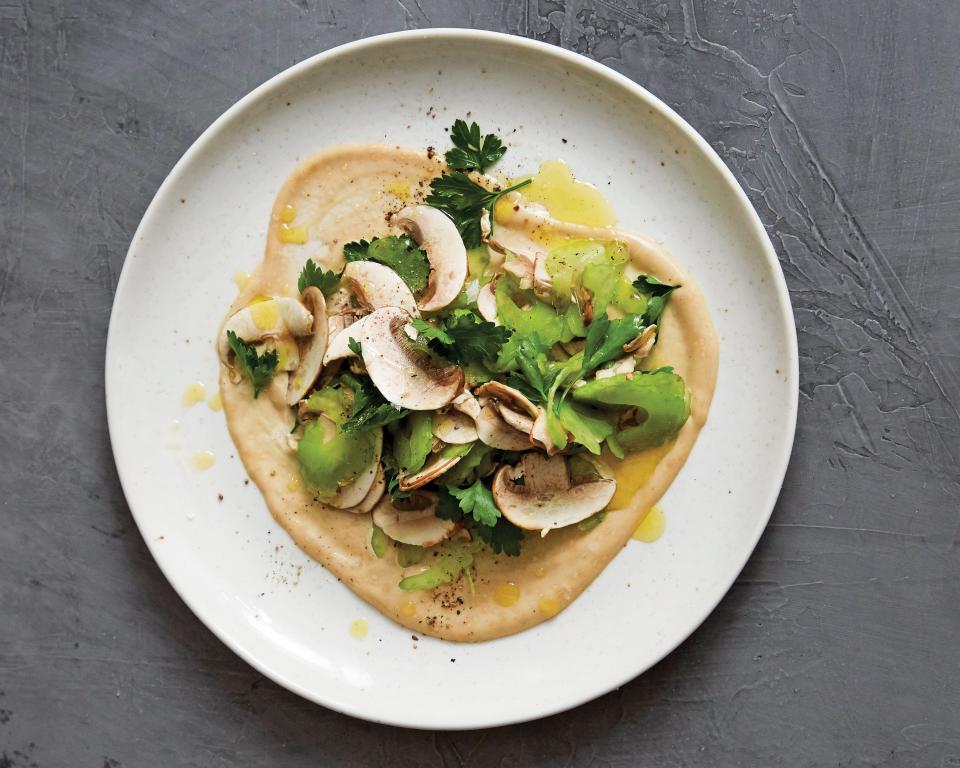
(401,254)
(464,201)
(312,274)
(471,152)
(258,368)
(657,293)
(476,501)
(355,346)
(448,508)
(356,250)
(475,340)
(370,409)
(606,337)
(504,537)
(538,370)
(466,339)
(431,332)
(412,441)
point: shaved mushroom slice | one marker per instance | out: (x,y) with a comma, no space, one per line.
(412,521)
(513,406)
(466,403)
(542,282)
(522,270)
(512,398)
(623,365)
(519,421)
(438,236)
(454,427)
(642,345)
(373,495)
(538,495)
(266,319)
(485,228)
(339,345)
(494,431)
(435,466)
(487,303)
(376,286)
(353,494)
(311,360)
(405,373)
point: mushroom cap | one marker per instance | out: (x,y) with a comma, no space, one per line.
(373,495)
(454,427)
(519,421)
(546,499)
(542,282)
(437,465)
(375,286)
(643,344)
(417,525)
(311,360)
(338,345)
(625,364)
(438,236)
(407,374)
(274,317)
(487,304)
(505,395)
(492,430)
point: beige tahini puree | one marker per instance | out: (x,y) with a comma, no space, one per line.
(343,194)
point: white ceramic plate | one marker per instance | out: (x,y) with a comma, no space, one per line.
(237,569)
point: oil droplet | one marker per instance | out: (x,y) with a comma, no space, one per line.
(202,460)
(408,609)
(287,351)
(175,425)
(506,594)
(358,629)
(548,606)
(567,199)
(288,214)
(240,279)
(214,403)
(652,526)
(193,394)
(399,189)
(296,235)
(265,314)
(293,483)
(634,471)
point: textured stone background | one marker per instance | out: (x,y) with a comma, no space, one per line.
(839,643)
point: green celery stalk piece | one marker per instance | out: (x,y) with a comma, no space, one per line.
(378,541)
(660,396)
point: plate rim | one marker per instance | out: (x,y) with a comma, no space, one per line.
(653,102)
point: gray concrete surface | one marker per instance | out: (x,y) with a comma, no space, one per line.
(839,643)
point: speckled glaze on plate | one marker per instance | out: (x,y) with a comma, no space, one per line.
(210,531)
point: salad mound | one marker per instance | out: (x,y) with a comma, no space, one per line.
(454,382)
